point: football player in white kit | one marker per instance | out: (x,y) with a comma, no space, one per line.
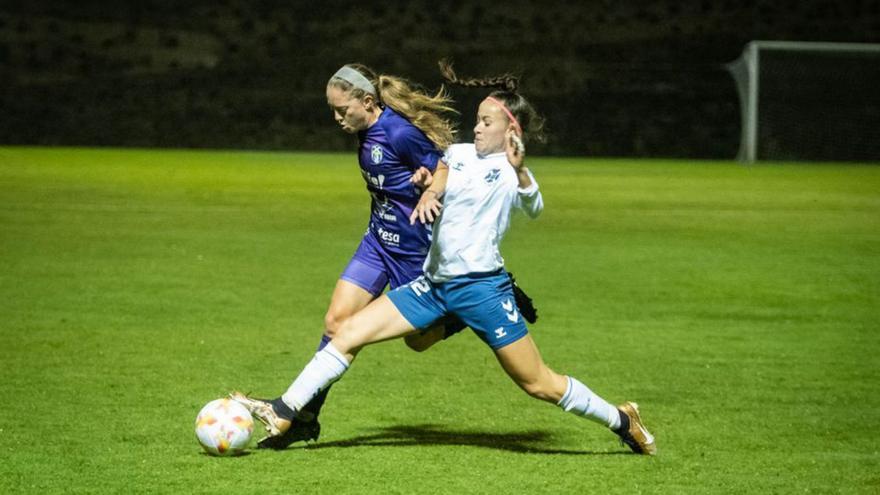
(479,184)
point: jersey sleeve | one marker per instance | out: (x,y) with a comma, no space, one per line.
(529,199)
(448,154)
(414,148)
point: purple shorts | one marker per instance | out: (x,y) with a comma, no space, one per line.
(372,267)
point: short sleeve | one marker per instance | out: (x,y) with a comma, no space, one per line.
(447,155)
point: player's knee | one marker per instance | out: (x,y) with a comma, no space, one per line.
(333,320)
(342,335)
(350,335)
(342,328)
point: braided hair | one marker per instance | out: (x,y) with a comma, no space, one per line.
(507,86)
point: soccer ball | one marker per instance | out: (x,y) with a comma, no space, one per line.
(224,427)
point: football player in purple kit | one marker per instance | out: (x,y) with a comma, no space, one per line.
(401,134)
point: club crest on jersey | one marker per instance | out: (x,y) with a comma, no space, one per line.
(492,176)
(376,154)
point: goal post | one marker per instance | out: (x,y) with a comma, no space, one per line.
(804,100)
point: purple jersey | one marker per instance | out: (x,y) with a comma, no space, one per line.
(390,151)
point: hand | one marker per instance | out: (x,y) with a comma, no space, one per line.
(422,178)
(516,150)
(428,208)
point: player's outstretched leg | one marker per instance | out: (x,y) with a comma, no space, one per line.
(305,426)
(379,321)
(327,366)
(623,420)
(348,298)
(522,362)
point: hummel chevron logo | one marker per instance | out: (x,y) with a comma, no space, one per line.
(499,332)
(510,309)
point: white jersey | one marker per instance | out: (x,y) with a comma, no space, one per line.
(480,194)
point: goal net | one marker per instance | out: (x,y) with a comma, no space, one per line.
(809,101)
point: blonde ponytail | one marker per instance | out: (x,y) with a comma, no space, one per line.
(423,110)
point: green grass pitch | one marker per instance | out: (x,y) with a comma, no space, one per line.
(740,306)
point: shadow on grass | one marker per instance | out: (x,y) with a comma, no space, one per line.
(528,442)
(240,454)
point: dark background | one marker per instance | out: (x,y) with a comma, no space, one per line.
(612,78)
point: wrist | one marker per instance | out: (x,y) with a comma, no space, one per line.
(524,178)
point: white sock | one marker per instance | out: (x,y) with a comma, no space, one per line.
(326,367)
(582,401)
